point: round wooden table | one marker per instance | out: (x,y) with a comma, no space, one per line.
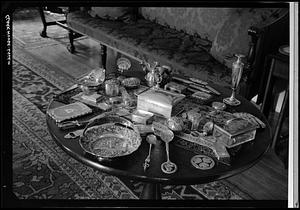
(131,166)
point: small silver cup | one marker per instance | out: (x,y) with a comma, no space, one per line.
(112,87)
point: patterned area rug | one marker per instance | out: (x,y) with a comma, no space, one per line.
(41,170)
(28,24)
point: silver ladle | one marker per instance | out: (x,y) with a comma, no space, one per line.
(168,167)
(151,139)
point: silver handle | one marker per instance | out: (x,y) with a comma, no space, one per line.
(69,124)
(74,134)
(75,123)
(147,160)
(167,150)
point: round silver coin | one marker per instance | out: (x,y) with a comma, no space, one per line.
(202,162)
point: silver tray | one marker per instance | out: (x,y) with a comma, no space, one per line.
(110,137)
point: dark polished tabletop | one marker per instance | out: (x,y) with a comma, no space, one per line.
(131,166)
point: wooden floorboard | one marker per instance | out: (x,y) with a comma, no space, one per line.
(86,57)
(267,180)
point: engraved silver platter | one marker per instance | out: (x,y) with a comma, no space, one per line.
(110,137)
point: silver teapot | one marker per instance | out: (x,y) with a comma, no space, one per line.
(156,75)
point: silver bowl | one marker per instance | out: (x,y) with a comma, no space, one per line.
(110,137)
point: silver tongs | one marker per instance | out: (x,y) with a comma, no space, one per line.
(72,124)
(75,123)
(198,85)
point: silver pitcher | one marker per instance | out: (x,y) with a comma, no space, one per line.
(155,74)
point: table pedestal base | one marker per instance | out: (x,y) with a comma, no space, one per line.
(151,191)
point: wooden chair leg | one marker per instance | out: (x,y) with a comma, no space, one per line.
(264,77)
(266,103)
(282,114)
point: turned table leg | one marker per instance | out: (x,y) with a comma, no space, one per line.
(151,191)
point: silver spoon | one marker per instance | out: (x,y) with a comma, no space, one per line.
(151,139)
(168,167)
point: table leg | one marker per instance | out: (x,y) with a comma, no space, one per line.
(151,191)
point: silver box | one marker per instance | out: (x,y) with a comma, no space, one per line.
(158,101)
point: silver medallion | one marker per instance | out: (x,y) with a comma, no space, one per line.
(202,162)
(169,167)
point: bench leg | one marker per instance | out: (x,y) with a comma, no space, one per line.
(43,33)
(103,53)
(71,47)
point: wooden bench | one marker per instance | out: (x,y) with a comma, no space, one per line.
(187,55)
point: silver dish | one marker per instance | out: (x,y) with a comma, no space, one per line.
(131,82)
(123,64)
(110,137)
(176,124)
(95,78)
